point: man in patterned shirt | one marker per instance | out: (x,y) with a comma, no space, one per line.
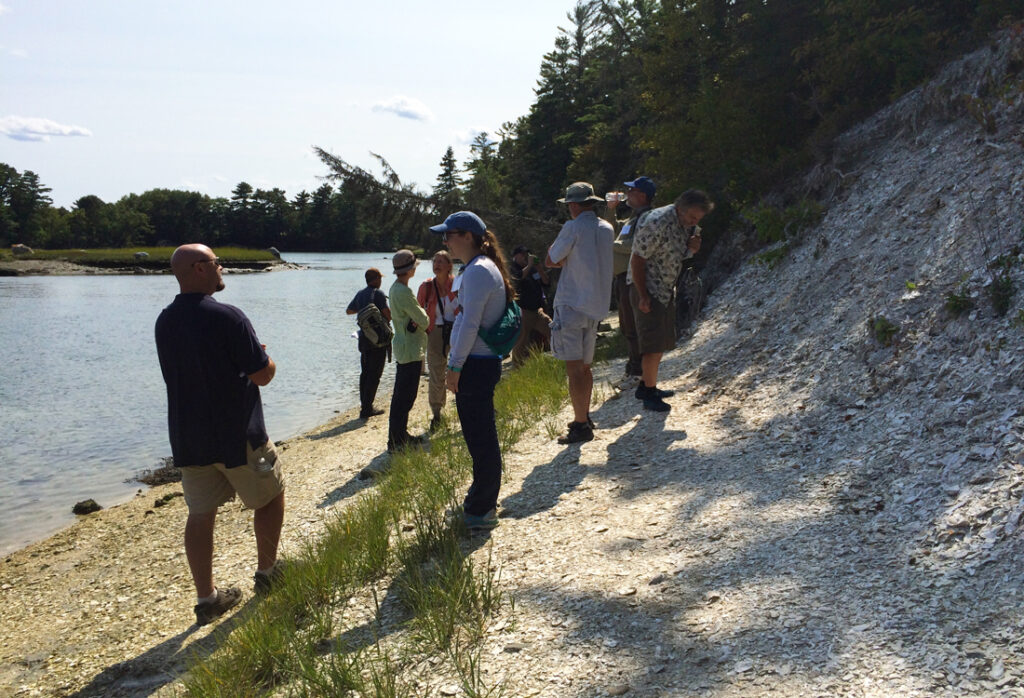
(665,237)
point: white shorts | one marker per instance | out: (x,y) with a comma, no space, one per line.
(573,335)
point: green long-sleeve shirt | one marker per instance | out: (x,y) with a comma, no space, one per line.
(407,347)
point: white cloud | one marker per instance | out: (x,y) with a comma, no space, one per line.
(33,128)
(4,9)
(406,108)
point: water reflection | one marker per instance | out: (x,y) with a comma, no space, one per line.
(82,403)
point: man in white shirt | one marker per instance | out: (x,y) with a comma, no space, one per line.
(583,251)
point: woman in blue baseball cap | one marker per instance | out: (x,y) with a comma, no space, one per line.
(474,369)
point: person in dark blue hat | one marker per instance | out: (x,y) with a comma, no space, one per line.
(639,197)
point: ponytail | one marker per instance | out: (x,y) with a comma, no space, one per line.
(491,248)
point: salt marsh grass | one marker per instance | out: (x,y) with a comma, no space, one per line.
(399,535)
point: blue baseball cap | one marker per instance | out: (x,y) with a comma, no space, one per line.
(644,184)
(463,220)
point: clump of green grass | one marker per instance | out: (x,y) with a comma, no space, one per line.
(771,258)
(959,302)
(399,531)
(774,224)
(1000,292)
(884,330)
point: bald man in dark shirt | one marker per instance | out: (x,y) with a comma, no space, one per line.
(213,365)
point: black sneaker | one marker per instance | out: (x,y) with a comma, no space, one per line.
(209,611)
(656,404)
(372,412)
(578,432)
(644,393)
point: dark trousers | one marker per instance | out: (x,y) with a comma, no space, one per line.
(475,404)
(627,325)
(407,383)
(371,364)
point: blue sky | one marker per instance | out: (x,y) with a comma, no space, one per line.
(111,98)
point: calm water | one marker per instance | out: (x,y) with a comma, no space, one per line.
(82,403)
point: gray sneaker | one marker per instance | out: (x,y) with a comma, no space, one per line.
(484,522)
(263,584)
(209,611)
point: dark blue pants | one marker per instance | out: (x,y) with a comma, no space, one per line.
(475,405)
(407,383)
(371,361)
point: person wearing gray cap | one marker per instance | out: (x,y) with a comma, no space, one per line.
(583,251)
(408,347)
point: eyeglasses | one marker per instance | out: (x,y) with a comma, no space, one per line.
(215,260)
(444,235)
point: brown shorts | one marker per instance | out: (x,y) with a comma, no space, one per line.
(206,487)
(656,330)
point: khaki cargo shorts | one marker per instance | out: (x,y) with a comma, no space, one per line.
(206,487)
(573,335)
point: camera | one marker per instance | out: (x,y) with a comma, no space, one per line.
(614,197)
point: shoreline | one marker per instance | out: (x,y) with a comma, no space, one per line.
(58,267)
(115,585)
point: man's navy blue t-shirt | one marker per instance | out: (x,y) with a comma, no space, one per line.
(207,350)
(364,298)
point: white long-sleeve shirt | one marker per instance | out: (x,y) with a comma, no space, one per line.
(481,293)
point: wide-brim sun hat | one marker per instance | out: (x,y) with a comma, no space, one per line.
(578,192)
(404,261)
(462,220)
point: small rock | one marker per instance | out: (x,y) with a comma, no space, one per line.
(628,591)
(620,689)
(515,647)
(88,506)
(449,690)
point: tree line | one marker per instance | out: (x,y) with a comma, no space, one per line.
(731,96)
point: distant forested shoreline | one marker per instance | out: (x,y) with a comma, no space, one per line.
(732,97)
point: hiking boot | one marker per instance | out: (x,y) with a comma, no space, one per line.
(656,404)
(263,584)
(644,393)
(481,523)
(372,412)
(435,424)
(578,432)
(207,611)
